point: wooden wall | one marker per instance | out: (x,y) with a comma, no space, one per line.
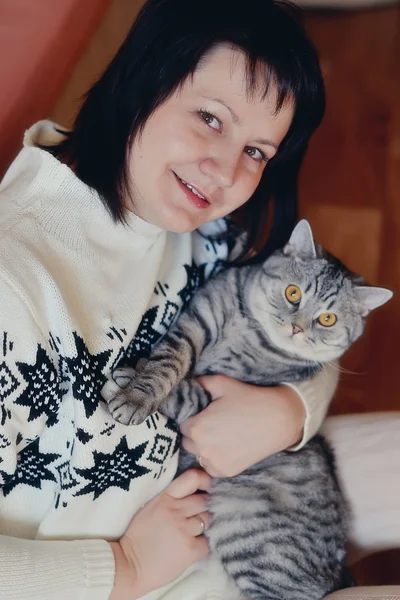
(40,42)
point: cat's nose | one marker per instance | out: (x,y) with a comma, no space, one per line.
(296,329)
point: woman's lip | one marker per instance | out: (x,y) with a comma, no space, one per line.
(196,200)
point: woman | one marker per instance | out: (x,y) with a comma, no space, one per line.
(106,232)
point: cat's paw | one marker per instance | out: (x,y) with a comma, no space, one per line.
(127,404)
(123,376)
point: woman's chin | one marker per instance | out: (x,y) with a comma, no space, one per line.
(176,227)
(180,221)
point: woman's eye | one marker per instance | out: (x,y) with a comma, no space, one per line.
(256,154)
(210,119)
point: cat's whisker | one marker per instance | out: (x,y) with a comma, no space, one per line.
(337,367)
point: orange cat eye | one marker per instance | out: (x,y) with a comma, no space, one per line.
(327,319)
(293,294)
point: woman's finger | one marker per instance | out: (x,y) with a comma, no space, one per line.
(194,504)
(197,525)
(214,384)
(188,483)
(189,444)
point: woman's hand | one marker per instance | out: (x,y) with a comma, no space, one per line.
(243,425)
(163,539)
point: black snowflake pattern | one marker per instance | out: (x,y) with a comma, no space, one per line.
(83,436)
(177,444)
(234,234)
(67,480)
(8,383)
(160,449)
(172,426)
(230,238)
(86,371)
(171,310)
(42,395)
(4,477)
(31,468)
(146,336)
(195,279)
(63,370)
(116,469)
(4,441)
(5,413)
(119,359)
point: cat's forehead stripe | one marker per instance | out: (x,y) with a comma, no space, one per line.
(331,305)
(332,293)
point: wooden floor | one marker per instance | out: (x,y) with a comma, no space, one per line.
(350,185)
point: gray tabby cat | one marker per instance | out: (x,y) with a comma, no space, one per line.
(279,528)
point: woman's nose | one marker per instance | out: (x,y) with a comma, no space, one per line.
(222,168)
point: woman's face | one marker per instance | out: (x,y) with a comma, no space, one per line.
(203,151)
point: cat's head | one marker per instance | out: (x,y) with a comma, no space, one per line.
(308,302)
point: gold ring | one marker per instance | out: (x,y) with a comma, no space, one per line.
(202,524)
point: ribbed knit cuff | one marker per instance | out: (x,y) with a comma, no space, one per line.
(316,395)
(306,403)
(99,569)
(49,570)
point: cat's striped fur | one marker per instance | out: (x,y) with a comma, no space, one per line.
(279,528)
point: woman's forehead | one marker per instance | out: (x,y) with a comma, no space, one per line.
(224,73)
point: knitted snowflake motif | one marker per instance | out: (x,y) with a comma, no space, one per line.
(146,336)
(42,394)
(8,383)
(86,372)
(115,469)
(31,468)
(195,279)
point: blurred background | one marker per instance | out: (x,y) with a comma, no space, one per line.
(350,183)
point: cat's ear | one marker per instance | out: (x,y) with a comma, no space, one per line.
(301,242)
(370,297)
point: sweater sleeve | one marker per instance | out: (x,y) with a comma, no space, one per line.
(316,394)
(29,396)
(55,570)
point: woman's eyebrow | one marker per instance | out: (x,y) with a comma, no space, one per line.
(233,114)
(264,142)
(236,120)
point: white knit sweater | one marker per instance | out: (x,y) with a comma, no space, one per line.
(78,293)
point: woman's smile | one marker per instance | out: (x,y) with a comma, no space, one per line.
(192,193)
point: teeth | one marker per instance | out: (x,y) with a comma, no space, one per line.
(192,189)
